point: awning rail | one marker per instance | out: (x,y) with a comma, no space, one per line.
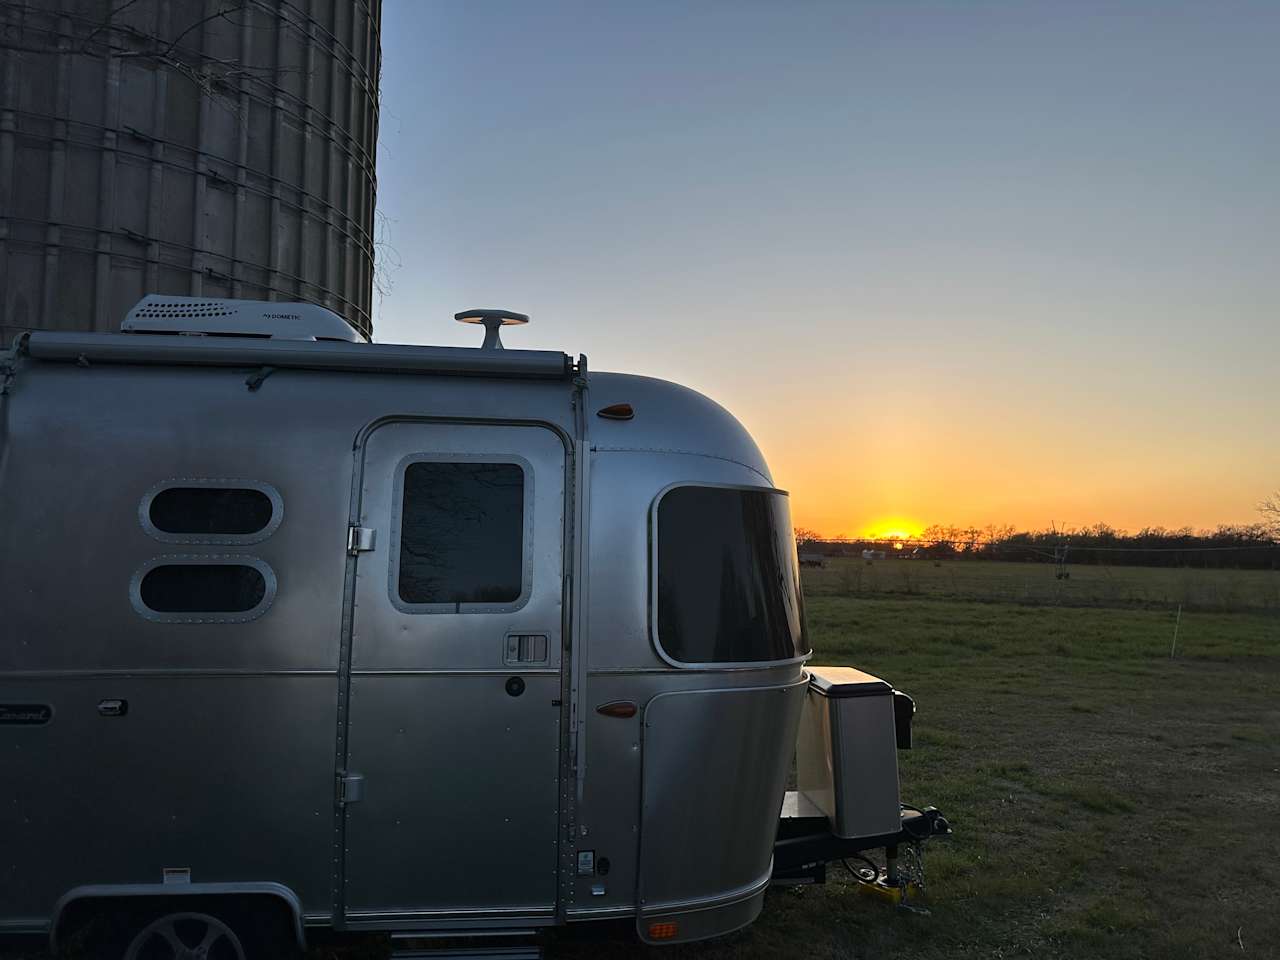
(167,349)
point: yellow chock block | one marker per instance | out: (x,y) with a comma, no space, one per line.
(895,895)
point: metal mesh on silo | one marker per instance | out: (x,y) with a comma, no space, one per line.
(193,147)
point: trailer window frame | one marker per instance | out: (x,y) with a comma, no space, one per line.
(526,537)
(218,539)
(270,587)
(654,633)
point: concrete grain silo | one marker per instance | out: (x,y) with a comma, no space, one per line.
(220,148)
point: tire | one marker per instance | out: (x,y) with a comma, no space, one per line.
(186,936)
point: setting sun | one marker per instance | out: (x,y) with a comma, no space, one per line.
(894,528)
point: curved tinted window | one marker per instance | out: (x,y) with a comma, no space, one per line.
(215,588)
(728,587)
(211,511)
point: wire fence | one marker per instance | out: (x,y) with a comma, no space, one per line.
(1243,553)
(883,572)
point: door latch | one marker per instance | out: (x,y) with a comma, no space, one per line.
(360,539)
(350,787)
(526,648)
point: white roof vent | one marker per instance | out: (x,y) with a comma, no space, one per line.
(212,317)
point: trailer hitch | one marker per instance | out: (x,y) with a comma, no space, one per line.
(805,844)
(928,823)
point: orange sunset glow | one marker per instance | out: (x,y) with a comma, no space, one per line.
(892,530)
(943,274)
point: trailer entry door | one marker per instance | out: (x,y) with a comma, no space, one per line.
(453,722)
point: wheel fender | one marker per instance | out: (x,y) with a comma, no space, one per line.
(113,891)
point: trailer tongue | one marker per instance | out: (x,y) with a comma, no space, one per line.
(805,846)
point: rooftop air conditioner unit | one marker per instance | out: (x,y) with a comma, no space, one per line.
(214,317)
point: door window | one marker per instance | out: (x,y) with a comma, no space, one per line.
(461,532)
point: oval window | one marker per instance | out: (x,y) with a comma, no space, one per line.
(208,588)
(211,511)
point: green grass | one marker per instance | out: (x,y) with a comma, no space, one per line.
(1087,585)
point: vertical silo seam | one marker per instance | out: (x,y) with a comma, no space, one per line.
(331,187)
(374,18)
(358,129)
(155,179)
(370,187)
(57,175)
(364,210)
(107,189)
(236,269)
(308,125)
(199,183)
(355,171)
(350,211)
(8,136)
(277,149)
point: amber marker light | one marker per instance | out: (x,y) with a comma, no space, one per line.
(617,708)
(663,930)
(617,411)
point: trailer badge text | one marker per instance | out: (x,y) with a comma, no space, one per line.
(32,714)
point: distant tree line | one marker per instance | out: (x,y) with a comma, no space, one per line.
(1249,546)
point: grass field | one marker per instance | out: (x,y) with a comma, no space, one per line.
(1087,585)
(1108,800)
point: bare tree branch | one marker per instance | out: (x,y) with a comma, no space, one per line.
(221,14)
(107,23)
(386,258)
(1270,510)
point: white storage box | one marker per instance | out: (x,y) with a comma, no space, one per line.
(847,753)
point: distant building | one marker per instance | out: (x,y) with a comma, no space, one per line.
(813,560)
(873,554)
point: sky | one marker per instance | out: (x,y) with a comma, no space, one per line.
(968,263)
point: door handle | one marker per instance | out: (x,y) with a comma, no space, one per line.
(526,648)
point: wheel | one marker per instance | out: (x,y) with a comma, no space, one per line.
(186,936)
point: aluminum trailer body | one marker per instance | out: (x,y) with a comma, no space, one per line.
(388,638)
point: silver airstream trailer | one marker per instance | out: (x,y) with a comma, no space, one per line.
(298,630)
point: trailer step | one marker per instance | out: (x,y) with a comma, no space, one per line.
(469,953)
(453,933)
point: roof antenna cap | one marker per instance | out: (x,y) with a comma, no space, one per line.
(493,321)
